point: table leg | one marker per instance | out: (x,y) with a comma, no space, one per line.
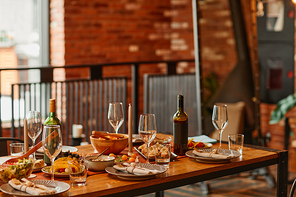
(282,174)
(159,194)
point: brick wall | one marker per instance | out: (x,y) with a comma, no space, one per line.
(100,31)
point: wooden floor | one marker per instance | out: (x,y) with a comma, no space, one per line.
(240,185)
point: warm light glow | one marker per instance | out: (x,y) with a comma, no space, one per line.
(294,1)
(260,8)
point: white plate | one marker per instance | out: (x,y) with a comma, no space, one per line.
(211,160)
(208,145)
(126,175)
(203,138)
(64,149)
(56,174)
(39,169)
(61,187)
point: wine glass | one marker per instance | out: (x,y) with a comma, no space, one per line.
(115,115)
(220,118)
(52,143)
(34,126)
(147,130)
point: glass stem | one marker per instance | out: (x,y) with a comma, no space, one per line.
(147,153)
(220,137)
(34,151)
(52,169)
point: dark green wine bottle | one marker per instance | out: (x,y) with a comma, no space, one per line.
(52,119)
(180,128)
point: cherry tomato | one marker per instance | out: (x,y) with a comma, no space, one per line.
(200,145)
(73,169)
(134,155)
(191,144)
(132,159)
(62,170)
(111,155)
(124,157)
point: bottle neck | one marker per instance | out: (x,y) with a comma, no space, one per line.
(180,104)
(52,114)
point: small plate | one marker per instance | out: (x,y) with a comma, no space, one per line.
(128,176)
(211,160)
(173,155)
(56,174)
(61,187)
(208,145)
(64,149)
(39,169)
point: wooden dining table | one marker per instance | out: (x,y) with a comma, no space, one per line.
(182,171)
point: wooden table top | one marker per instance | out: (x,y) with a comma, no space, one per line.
(105,184)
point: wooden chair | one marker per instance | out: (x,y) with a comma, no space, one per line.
(4,143)
(292,188)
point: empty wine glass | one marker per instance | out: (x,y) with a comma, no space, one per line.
(34,126)
(220,118)
(115,115)
(52,143)
(147,130)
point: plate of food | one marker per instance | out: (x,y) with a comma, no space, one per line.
(211,155)
(193,144)
(45,187)
(136,171)
(61,167)
(38,165)
(142,150)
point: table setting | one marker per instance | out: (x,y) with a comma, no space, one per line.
(116,157)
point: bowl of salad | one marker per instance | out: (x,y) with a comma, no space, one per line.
(20,169)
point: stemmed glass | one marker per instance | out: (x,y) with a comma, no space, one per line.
(147,130)
(34,125)
(220,118)
(115,115)
(52,143)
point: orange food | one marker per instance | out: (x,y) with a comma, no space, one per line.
(111,155)
(124,157)
(134,155)
(132,159)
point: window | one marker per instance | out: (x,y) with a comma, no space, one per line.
(24,38)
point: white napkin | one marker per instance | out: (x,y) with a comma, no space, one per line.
(212,155)
(30,187)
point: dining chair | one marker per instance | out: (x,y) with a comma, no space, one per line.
(292,189)
(4,141)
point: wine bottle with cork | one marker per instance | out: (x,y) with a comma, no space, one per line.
(52,119)
(180,128)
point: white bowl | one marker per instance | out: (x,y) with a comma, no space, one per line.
(106,161)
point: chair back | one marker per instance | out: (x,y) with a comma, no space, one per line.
(292,189)
(4,144)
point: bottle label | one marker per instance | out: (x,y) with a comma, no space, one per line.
(180,132)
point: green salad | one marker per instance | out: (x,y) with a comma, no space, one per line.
(21,169)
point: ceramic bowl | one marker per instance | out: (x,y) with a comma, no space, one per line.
(103,162)
(18,170)
(116,145)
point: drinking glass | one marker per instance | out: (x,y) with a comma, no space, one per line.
(52,143)
(115,115)
(147,130)
(78,178)
(220,118)
(34,126)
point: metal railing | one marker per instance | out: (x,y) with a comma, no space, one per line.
(47,87)
(83,102)
(160,98)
